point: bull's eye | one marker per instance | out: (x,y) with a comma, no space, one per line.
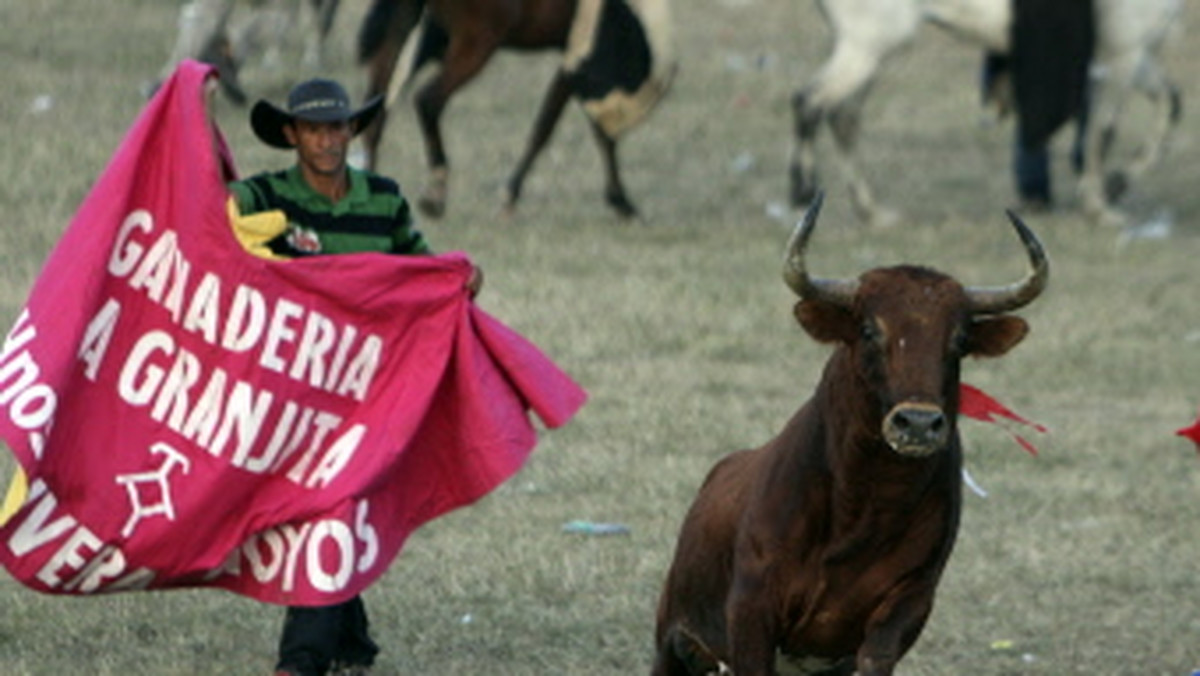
(958,341)
(870,332)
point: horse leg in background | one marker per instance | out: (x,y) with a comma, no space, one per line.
(1107,96)
(555,100)
(1031,172)
(381,37)
(1115,183)
(1164,95)
(614,190)
(1131,36)
(202,36)
(837,94)
(803,180)
(264,33)
(320,16)
(465,57)
(844,122)
(843,116)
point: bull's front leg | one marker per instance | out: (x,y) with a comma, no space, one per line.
(894,628)
(752,627)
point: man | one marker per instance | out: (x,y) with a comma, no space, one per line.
(330,208)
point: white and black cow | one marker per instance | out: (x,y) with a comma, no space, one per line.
(1066,58)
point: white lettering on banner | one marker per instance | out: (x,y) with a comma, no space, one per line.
(368,535)
(35,530)
(294,538)
(339,534)
(108,564)
(336,457)
(31,404)
(289,434)
(88,564)
(292,339)
(362,369)
(280,331)
(325,423)
(274,556)
(69,557)
(203,312)
(141,394)
(97,336)
(265,568)
(244,323)
(125,253)
(210,411)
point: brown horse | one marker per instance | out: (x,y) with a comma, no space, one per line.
(609,48)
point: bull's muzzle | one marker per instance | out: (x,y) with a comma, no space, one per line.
(916,429)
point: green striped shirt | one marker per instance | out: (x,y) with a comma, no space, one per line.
(372,216)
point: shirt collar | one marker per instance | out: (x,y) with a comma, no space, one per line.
(357,191)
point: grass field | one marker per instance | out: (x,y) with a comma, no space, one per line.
(1084,560)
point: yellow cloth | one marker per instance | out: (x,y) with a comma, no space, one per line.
(253,232)
(18,488)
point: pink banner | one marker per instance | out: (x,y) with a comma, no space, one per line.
(191,415)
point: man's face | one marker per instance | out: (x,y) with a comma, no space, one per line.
(322,146)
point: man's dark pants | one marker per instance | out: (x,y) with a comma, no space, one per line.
(316,639)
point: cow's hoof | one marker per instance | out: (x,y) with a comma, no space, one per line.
(801,191)
(623,207)
(1116,184)
(1106,217)
(1035,205)
(884,218)
(507,212)
(433,208)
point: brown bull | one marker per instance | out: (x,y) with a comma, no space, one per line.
(820,551)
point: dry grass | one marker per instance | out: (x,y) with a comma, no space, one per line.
(1083,561)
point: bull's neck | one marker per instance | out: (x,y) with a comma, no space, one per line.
(874,493)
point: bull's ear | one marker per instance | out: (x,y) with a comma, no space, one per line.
(826,322)
(993,336)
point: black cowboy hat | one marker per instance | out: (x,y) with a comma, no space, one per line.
(316,100)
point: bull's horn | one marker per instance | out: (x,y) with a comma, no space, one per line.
(993,300)
(836,291)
